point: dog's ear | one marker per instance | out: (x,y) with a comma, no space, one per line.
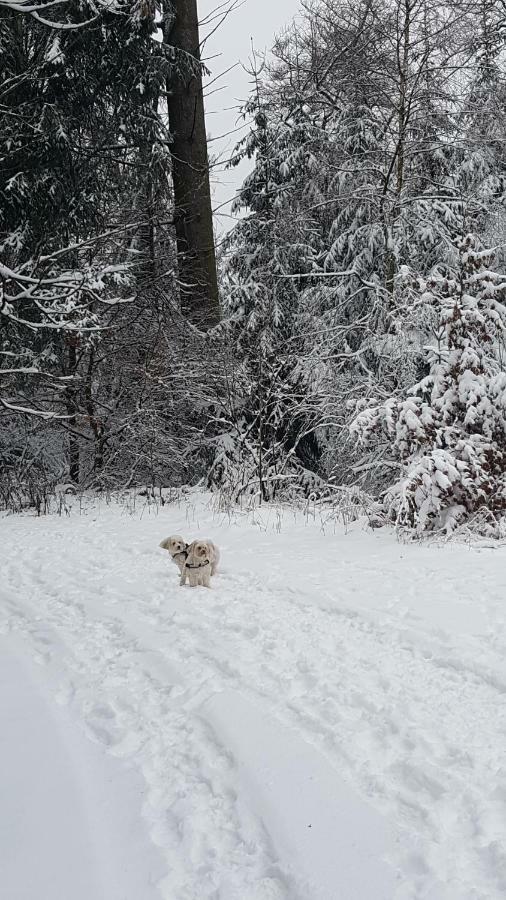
(165,544)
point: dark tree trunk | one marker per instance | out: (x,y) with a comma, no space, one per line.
(190,172)
(72,408)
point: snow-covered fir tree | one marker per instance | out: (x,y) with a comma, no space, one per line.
(449,431)
(271,256)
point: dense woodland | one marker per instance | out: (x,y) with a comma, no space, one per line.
(343,343)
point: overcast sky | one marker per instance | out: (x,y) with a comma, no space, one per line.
(230,45)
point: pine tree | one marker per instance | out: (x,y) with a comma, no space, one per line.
(449,433)
(271,255)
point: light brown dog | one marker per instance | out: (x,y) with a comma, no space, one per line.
(178,549)
(201,562)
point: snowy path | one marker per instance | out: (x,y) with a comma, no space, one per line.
(327,723)
(70,820)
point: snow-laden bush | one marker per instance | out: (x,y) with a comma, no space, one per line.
(243,469)
(239,479)
(449,433)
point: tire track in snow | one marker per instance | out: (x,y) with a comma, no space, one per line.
(421,735)
(213,848)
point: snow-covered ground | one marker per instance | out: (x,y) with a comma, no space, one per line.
(328,722)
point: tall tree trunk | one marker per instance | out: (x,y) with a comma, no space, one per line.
(71,396)
(190,172)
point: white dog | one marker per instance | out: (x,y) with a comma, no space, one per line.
(178,549)
(201,562)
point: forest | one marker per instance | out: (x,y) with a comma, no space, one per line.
(342,344)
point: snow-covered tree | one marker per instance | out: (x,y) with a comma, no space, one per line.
(83,150)
(480,174)
(271,255)
(352,178)
(449,432)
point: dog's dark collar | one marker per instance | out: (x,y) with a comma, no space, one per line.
(198,566)
(181,553)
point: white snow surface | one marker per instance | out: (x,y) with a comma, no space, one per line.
(328,722)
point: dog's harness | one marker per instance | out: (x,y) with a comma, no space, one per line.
(181,553)
(199,565)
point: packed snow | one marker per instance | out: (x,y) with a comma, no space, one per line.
(327,722)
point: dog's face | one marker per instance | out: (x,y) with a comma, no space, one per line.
(201,550)
(176,544)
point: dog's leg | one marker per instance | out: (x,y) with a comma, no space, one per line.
(182,580)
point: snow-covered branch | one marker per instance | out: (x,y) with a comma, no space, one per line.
(60,8)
